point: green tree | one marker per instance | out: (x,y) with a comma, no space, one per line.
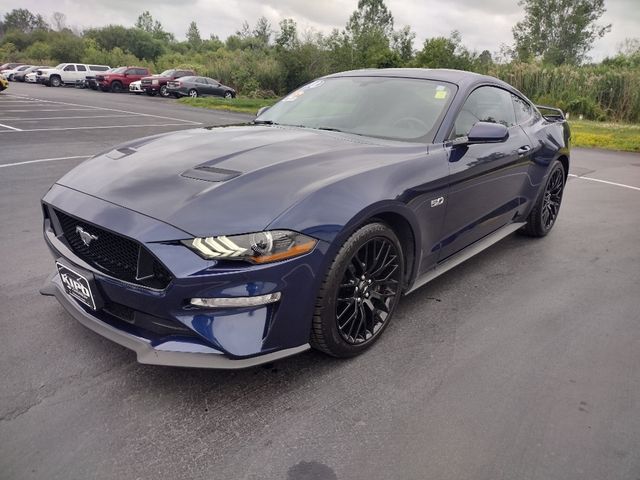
(443,52)
(146,23)
(369,31)
(262,31)
(558,31)
(193,35)
(23,20)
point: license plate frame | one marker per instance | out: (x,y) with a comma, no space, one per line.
(76,285)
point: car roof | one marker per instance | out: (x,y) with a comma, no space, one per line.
(458,77)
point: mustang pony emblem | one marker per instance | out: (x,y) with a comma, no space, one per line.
(85,236)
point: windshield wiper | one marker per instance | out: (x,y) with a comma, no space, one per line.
(264,122)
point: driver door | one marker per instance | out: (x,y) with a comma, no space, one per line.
(486,180)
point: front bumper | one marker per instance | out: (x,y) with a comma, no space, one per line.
(135,88)
(213,338)
(170,353)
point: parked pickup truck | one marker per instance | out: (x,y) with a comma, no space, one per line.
(158,83)
(67,73)
(119,79)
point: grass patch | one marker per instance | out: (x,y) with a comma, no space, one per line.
(240,104)
(611,136)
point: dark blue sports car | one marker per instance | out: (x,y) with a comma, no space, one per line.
(233,246)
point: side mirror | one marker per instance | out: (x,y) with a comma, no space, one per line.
(261,111)
(484,132)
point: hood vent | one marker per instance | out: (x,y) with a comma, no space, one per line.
(210,174)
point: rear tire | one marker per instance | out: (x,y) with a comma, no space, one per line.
(193,93)
(360,292)
(545,212)
(116,87)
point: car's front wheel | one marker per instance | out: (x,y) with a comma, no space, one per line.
(360,292)
(545,212)
(163,91)
(55,81)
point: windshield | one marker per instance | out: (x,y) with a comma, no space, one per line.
(59,67)
(118,70)
(167,73)
(394,108)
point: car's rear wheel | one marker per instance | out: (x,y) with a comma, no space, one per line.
(116,87)
(545,212)
(193,93)
(360,292)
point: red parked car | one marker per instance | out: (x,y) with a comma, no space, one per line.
(158,83)
(118,80)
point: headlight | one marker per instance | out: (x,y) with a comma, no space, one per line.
(261,247)
(154,82)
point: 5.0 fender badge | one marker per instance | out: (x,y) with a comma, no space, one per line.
(436,202)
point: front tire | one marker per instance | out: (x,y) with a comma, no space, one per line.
(360,292)
(55,81)
(163,91)
(116,87)
(545,212)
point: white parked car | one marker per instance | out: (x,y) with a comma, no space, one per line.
(136,87)
(68,73)
(8,74)
(30,77)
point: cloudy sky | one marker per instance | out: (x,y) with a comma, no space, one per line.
(484,24)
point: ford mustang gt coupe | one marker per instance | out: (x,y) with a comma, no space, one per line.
(227,247)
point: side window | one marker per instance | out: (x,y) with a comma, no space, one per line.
(70,68)
(485,104)
(524,111)
(141,71)
(200,80)
(213,82)
(81,68)
(131,71)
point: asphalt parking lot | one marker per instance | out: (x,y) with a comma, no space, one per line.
(521,363)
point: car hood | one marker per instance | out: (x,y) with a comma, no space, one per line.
(223,180)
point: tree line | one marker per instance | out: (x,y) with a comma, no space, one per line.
(547,60)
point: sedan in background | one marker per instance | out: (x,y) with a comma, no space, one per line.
(136,87)
(199,87)
(9,74)
(227,247)
(20,76)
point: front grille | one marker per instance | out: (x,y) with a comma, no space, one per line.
(145,82)
(142,324)
(114,254)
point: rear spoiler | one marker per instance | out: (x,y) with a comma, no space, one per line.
(553,115)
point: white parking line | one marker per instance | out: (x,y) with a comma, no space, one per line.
(49,110)
(28,119)
(119,111)
(42,160)
(17,130)
(605,181)
(10,128)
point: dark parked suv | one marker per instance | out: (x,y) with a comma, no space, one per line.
(119,79)
(158,83)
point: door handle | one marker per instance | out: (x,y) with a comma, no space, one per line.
(524,149)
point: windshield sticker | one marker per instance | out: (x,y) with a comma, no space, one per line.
(441,94)
(293,96)
(315,84)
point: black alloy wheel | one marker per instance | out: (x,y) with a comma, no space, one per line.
(366,293)
(545,212)
(360,293)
